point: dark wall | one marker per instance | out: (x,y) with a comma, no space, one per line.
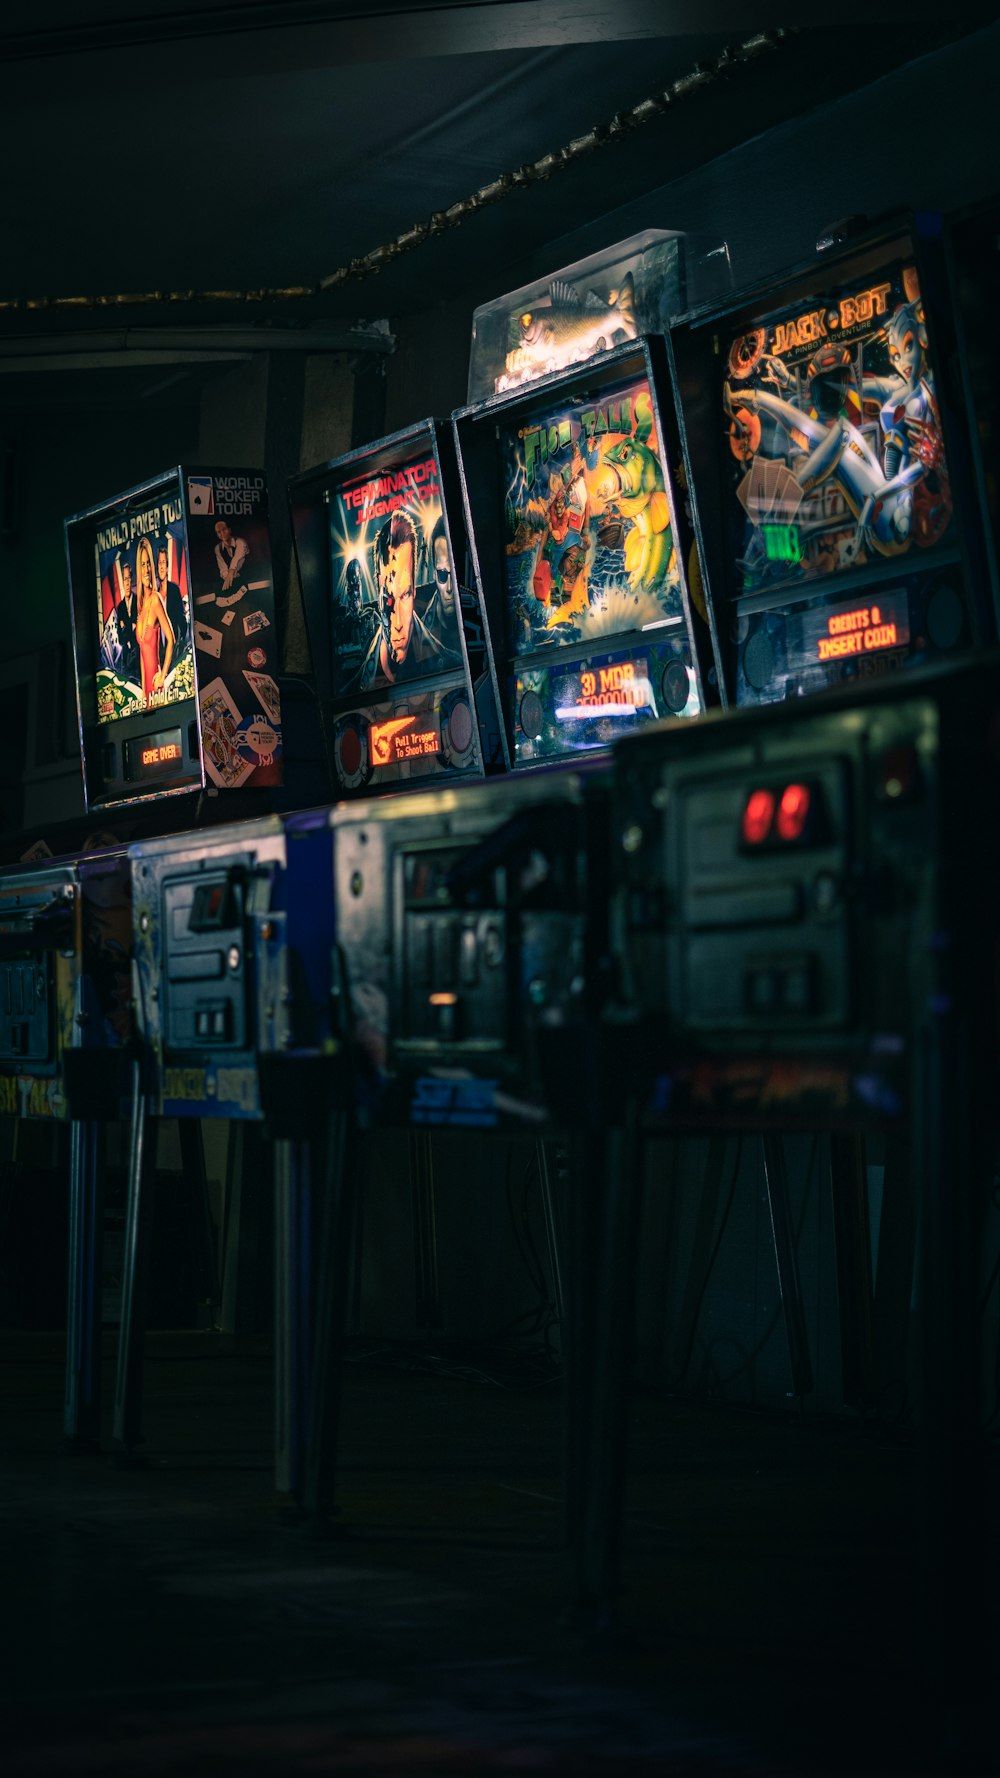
(919,138)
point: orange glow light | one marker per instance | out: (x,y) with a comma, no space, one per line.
(856,632)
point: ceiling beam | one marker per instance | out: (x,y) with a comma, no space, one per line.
(136,346)
(267,36)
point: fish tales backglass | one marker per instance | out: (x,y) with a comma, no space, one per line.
(593,607)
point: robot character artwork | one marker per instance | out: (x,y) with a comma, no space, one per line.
(588,543)
(835,435)
(394,613)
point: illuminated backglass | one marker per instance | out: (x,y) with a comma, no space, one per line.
(835,447)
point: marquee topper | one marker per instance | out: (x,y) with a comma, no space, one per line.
(616,295)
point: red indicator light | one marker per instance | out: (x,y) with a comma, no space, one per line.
(793,811)
(757,817)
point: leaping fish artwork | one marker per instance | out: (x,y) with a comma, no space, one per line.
(567,328)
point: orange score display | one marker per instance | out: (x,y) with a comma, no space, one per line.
(614,685)
(857,632)
(152,756)
(392,741)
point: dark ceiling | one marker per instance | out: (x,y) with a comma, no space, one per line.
(229,149)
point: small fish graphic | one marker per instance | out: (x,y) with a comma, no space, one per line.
(569,327)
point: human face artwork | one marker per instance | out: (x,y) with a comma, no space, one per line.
(161,565)
(397,592)
(144,562)
(127,580)
(905,351)
(442,576)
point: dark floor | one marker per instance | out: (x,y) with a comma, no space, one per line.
(169,1621)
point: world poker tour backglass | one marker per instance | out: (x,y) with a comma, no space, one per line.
(400,652)
(174,638)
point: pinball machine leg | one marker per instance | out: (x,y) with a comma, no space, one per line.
(428,1289)
(126,1433)
(953,1165)
(580,1335)
(192,1148)
(852,1242)
(789,1281)
(602,1291)
(897,1249)
(82,1405)
(549,1167)
(333,1296)
(293,1289)
(712,1192)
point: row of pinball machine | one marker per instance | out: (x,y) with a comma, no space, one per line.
(600,863)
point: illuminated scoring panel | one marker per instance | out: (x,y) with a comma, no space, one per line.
(154,756)
(858,630)
(613,690)
(405,737)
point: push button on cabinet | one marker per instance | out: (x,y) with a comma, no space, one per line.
(213,1023)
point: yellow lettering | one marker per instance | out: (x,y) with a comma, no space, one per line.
(186,1084)
(238,1086)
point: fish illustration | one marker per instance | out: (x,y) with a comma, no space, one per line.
(568,327)
(634,484)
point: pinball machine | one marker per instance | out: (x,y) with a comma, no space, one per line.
(66,1059)
(233,962)
(804,902)
(836,490)
(472,919)
(146,570)
(236,933)
(174,639)
(800,886)
(580,540)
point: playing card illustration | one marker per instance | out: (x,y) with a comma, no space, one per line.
(207,639)
(220,720)
(266,691)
